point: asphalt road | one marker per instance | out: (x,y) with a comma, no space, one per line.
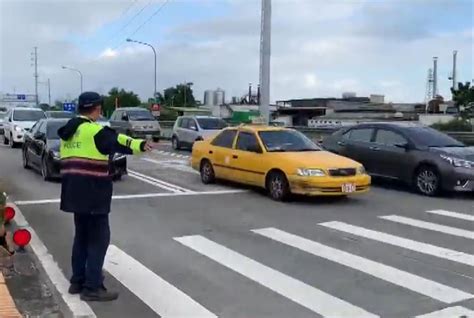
(184,249)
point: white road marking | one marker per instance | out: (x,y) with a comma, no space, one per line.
(450,312)
(430,226)
(299,292)
(462,216)
(167,164)
(77,307)
(138,196)
(158,181)
(162,297)
(387,273)
(156,184)
(419,247)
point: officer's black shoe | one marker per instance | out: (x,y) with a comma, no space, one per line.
(75,289)
(100,294)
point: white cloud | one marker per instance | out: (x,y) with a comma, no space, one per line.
(109,53)
(319,48)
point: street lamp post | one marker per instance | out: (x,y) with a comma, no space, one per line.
(74,70)
(49,90)
(154,52)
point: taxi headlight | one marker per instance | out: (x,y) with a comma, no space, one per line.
(18,128)
(303,172)
(361,170)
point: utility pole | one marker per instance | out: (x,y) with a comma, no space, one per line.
(155,95)
(35,59)
(435,77)
(77,71)
(49,93)
(265,55)
(48,82)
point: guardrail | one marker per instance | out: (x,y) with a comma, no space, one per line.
(317,134)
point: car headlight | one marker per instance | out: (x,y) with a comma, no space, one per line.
(361,170)
(303,172)
(18,128)
(56,154)
(458,162)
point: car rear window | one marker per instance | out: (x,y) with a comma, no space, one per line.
(61,115)
(211,123)
(52,128)
(28,115)
(429,137)
(138,115)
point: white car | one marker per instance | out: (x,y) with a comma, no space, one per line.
(17,122)
(2,118)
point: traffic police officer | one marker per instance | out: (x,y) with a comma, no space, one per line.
(86,191)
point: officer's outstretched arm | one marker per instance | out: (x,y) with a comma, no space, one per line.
(108,142)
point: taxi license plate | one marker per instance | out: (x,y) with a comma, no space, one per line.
(148,137)
(348,188)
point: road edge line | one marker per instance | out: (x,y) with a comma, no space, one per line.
(56,280)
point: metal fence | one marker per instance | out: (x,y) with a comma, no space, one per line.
(318,134)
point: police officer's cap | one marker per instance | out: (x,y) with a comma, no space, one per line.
(89,99)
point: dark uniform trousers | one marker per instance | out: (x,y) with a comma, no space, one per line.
(91,240)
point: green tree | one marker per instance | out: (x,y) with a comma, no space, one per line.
(463,96)
(44,106)
(179,96)
(123,98)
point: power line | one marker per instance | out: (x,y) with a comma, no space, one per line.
(133,18)
(123,27)
(128,8)
(150,18)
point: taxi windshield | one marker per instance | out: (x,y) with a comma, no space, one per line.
(287,141)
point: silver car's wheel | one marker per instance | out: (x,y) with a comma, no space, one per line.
(427,181)
(175,143)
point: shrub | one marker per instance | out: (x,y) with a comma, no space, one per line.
(457,124)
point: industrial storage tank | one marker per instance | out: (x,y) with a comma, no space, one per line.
(209,98)
(377,99)
(219,97)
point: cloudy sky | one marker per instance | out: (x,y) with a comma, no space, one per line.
(320,48)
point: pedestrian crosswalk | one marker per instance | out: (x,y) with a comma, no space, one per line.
(449,298)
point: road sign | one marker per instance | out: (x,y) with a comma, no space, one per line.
(69,107)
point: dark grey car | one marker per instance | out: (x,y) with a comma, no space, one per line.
(421,156)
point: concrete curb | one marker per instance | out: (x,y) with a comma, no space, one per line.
(7,305)
(70,306)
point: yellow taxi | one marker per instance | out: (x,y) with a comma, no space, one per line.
(281,160)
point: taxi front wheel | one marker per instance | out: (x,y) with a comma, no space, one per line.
(207,172)
(278,186)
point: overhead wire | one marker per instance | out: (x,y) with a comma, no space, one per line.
(150,18)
